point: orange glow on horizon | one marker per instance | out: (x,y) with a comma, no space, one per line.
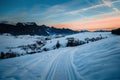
(107,23)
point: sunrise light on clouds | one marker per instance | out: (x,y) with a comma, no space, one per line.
(93,24)
(106,21)
(73,14)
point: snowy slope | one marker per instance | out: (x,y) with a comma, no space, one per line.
(12,41)
(81,36)
(93,61)
(7,42)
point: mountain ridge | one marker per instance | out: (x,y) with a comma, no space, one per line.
(31,28)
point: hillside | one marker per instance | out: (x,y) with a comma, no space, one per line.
(97,60)
(15,43)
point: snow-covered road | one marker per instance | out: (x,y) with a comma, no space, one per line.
(62,68)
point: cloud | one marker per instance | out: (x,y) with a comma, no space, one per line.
(105,3)
(84,9)
(55,11)
(62,13)
(110,4)
(116,10)
(56,8)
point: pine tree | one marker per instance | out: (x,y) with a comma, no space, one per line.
(58,44)
(2,55)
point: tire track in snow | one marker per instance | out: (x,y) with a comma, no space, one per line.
(61,68)
(51,66)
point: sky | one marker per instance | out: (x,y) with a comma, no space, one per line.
(73,14)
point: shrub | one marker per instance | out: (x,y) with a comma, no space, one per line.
(73,42)
(45,49)
(2,56)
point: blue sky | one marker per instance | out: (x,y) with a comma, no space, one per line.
(53,12)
